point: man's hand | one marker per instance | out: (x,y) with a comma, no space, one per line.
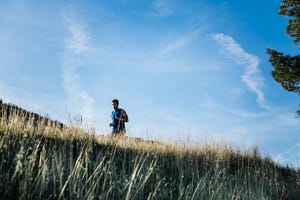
(119,118)
(111,124)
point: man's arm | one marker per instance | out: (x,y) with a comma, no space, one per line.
(123,116)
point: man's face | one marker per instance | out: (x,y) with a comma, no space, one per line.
(115,105)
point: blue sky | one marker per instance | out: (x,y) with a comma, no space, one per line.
(185,70)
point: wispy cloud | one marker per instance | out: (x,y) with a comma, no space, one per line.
(174,45)
(76,46)
(282,157)
(78,42)
(251,77)
(165,58)
(162,8)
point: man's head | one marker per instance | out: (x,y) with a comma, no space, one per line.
(115,103)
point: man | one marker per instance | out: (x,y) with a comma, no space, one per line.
(119,117)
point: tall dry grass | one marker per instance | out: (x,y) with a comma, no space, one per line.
(41,160)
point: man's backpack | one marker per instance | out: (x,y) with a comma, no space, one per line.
(124,115)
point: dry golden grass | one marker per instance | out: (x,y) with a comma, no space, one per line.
(41,159)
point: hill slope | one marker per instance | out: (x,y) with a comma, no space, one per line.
(45,161)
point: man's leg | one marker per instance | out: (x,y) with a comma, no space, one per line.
(114,133)
(118,133)
(122,132)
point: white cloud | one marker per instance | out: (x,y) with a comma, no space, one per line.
(76,46)
(286,158)
(162,8)
(174,45)
(78,42)
(165,59)
(251,77)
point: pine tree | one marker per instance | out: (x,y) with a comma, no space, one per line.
(287,68)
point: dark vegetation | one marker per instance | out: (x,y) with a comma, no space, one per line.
(44,164)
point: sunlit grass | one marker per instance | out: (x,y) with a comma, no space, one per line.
(44,160)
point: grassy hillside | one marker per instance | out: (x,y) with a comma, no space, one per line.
(49,161)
